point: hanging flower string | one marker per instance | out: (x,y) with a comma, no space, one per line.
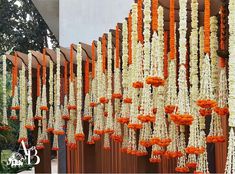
(65,112)
(44,98)
(38,115)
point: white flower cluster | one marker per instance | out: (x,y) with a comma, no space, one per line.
(4,83)
(79,128)
(160,42)
(51,100)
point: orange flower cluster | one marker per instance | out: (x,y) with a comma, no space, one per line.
(137,84)
(44,108)
(95,138)
(140,153)
(127,100)
(116,96)
(117,138)
(182,169)
(79,137)
(129,39)
(207,103)
(4,128)
(55,148)
(194,150)
(37,117)
(135,126)
(140,21)
(191,165)
(161,142)
(154,15)
(104,53)
(22,139)
(222,35)
(170,154)
(155,81)
(109,131)
(72,146)
(72,107)
(39,147)
(15,107)
(205,112)
(215,139)
(58,132)
(154,160)
(65,117)
(146,118)
(93,50)
(104,100)
(207,26)
(93,104)
(158,152)
(131,151)
(87,80)
(124,150)
(221,111)
(30,127)
(90,142)
(50,129)
(86,118)
(123,120)
(198,172)
(172,29)
(182,119)
(107,147)
(145,143)
(169,109)
(13,117)
(99,132)
(44,141)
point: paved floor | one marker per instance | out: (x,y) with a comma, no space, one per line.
(54,168)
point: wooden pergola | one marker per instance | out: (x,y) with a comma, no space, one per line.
(92,158)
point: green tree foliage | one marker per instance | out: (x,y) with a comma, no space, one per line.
(21,29)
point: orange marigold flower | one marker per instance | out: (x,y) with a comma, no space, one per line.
(135,126)
(22,139)
(155,81)
(154,160)
(117,96)
(117,138)
(123,120)
(55,148)
(72,107)
(182,169)
(145,143)
(65,117)
(139,153)
(58,132)
(30,127)
(215,139)
(50,129)
(13,117)
(103,100)
(161,142)
(99,132)
(173,154)
(191,165)
(39,147)
(205,112)
(93,104)
(207,103)
(79,136)
(90,142)
(137,84)
(127,100)
(221,111)
(86,117)
(194,150)
(44,108)
(124,150)
(15,108)
(158,152)
(169,109)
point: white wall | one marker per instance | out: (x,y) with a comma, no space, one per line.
(86,20)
